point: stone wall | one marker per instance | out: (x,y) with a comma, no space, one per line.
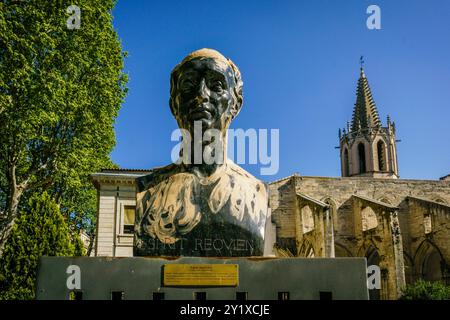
(406,223)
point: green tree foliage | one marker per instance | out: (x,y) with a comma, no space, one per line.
(60,92)
(40,230)
(425,290)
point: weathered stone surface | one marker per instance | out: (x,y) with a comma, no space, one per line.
(407,250)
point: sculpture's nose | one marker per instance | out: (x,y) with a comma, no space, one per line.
(203,92)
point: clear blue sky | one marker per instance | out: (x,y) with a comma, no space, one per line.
(300,66)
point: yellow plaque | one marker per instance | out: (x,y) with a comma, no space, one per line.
(218,275)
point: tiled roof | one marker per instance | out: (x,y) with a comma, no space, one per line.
(106,170)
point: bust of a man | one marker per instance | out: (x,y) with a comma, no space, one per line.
(203,204)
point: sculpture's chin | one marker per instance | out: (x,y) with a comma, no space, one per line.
(207,123)
(201,115)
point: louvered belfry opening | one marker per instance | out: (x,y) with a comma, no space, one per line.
(346,164)
(381,156)
(362,158)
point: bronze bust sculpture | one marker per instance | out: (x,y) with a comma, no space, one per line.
(202,208)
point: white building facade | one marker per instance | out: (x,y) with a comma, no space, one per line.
(116,208)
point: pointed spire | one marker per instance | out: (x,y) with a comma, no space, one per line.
(365,113)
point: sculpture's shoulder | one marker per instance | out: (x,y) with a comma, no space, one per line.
(156,176)
(246,178)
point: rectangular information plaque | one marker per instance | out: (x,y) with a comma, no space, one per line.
(220,275)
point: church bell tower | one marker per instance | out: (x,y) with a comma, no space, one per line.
(368,149)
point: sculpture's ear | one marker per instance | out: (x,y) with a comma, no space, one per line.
(238,90)
(173,89)
(173,109)
(239,100)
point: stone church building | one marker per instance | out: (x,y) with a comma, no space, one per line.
(400,225)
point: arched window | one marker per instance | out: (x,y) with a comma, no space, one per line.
(362,158)
(381,156)
(429,262)
(346,164)
(431,268)
(369,219)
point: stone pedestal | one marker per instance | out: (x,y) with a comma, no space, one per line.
(225,278)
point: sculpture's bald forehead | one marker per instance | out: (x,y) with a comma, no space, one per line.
(225,65)
(205,53)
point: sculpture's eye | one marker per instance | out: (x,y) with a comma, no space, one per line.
(187,85)
(217,86)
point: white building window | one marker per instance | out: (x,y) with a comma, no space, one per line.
(128,219)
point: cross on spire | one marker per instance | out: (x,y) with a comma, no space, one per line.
(361,63)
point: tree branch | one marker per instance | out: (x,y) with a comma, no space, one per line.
(40,183)
(34,171)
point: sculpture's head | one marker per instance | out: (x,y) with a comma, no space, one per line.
(205,87)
